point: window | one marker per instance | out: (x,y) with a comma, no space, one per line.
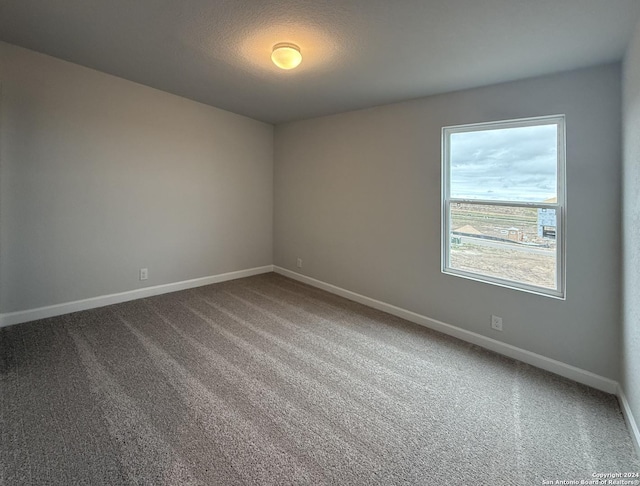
(503,195)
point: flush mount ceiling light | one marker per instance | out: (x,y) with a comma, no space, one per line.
(286,55)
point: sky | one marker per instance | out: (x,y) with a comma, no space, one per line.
(517,164)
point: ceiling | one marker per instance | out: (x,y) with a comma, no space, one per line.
(356,53)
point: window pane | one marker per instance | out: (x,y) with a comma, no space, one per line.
(511,243)
(506,164)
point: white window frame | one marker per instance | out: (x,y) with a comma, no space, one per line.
(559,206)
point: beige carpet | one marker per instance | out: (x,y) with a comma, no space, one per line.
(265,380)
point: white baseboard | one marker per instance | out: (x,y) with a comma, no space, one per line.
(11,318)
(632,425)
(537,360)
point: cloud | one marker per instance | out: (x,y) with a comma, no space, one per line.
(506,164)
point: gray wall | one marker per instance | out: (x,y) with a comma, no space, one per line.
(630,227)
(101,176)
(357,197)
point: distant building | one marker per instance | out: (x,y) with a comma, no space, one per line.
(514,234)
(547,220)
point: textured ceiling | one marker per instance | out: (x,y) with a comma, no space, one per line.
(356,53)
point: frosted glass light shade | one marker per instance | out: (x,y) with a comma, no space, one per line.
(286,56)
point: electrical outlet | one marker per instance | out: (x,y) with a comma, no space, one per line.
(496,323)
(144,273)
(299,263)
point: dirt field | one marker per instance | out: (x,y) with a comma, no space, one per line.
(514,265)
(517,264)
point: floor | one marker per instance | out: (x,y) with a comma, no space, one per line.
(265,380)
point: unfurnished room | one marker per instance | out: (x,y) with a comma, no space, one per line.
(359,242)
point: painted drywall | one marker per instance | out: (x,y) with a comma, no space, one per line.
(101,177)
(630,342)
(357,197)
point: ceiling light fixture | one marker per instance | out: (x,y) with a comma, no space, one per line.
(286,55)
